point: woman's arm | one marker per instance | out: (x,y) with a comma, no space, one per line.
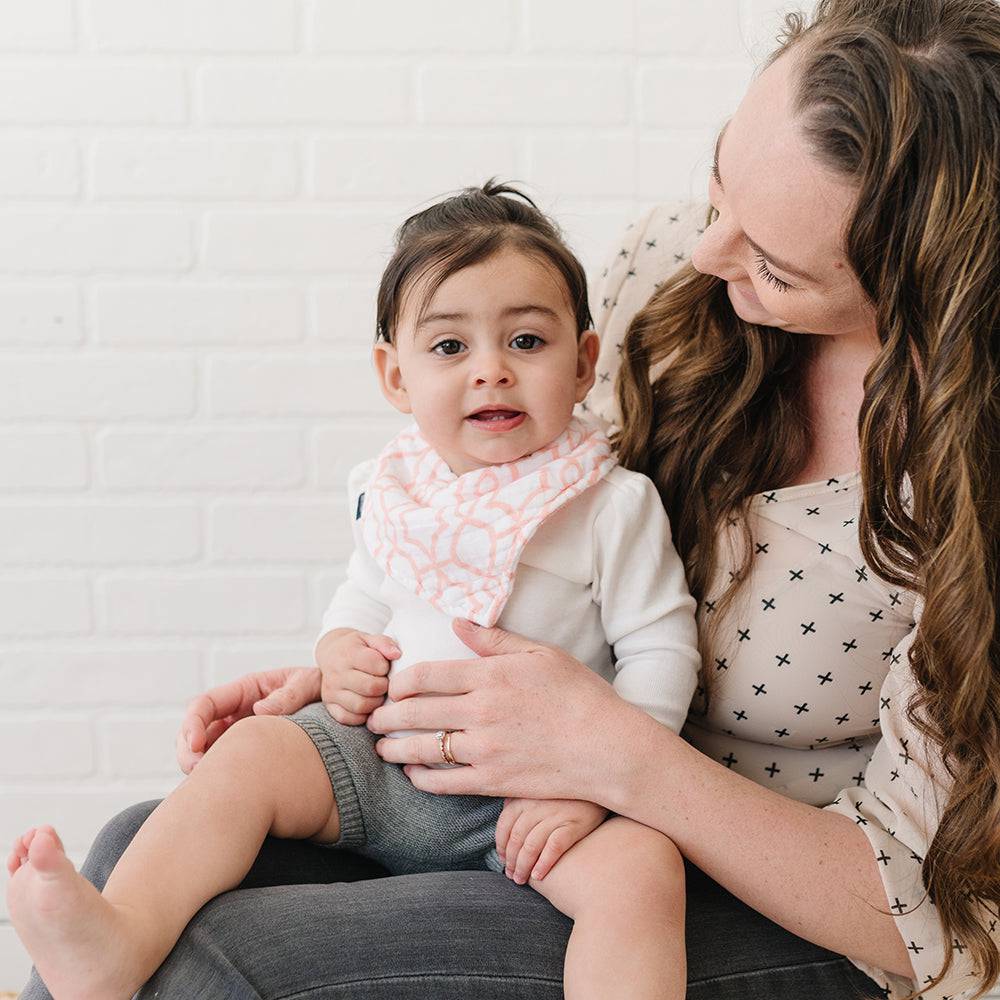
(534,722)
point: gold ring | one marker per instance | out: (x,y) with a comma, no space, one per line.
(444,745)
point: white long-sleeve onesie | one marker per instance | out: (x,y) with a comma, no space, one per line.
(600,578)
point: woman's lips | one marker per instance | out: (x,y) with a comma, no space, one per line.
(746,293)
(497,421)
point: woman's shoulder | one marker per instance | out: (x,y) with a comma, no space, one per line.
(650,250)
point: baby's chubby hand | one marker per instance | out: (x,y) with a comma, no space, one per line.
(533,834)
(355,667)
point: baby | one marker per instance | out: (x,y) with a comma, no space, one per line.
(496,505)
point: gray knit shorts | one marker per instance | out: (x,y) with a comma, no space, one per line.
(382,815)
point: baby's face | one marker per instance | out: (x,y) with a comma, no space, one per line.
(492,369)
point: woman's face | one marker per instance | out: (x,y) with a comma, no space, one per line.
(778,238)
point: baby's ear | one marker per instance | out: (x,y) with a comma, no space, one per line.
(588,347)
(390,376)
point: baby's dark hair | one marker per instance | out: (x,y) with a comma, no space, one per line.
(468,228)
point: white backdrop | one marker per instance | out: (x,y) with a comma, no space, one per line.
(196,199)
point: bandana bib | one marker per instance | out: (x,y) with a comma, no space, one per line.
(456,541)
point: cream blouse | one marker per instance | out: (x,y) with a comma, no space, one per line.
(811,676)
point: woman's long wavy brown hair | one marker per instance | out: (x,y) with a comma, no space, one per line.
(903,98)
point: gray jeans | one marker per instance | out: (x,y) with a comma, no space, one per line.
(289,934)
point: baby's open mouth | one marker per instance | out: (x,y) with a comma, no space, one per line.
(495,415)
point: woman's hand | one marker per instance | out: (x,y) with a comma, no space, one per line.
(267,692)
(533,834)
(355,666)
(531,720)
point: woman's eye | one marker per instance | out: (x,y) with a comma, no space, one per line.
(448,348)
(527,341)
(768,275)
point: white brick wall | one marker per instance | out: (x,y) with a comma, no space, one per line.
(196,199)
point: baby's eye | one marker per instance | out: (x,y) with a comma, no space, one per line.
(527,341)
(448,348)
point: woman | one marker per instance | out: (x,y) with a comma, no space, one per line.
(841,313)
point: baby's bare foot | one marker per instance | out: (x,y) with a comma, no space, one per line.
(74,936)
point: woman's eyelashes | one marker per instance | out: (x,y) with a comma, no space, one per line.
(768,275)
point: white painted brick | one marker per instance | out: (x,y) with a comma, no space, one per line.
(104,534)
(580,25)
(189,459)
(202,314)
(515,93)
(320,385)
(45,746)
(204,605)
(265,531)
(97,388)
(195,26)
(92,94)
(590,230)
(42,460)
(232,661)
(138,746)
(285,93)
(39,314)
(44,606)
(210,169)
(296,240)
(323,590)
(339,448)
(61,675)
(14,962)
(763,21)
(663,87)
(84,240)
(77,812)
(587,166)
(711,28)
(428,26)
(343,311)
(39,167)
(675,168)
(359,166)
(40,25)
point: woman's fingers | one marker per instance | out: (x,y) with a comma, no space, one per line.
(424,749)
(300,688)
(436,677)
(421,713)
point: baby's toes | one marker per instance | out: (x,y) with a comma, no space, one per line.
(19,852)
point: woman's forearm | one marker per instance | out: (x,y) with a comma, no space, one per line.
(809,870)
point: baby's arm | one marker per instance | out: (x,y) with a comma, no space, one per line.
(646,608)
(352,652)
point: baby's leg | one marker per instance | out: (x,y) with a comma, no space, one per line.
(262,776)
(623,886)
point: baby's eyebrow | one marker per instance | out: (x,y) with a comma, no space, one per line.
(457,317)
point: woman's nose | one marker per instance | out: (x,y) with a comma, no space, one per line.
(717,252)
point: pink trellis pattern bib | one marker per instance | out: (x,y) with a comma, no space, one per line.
(456,541)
